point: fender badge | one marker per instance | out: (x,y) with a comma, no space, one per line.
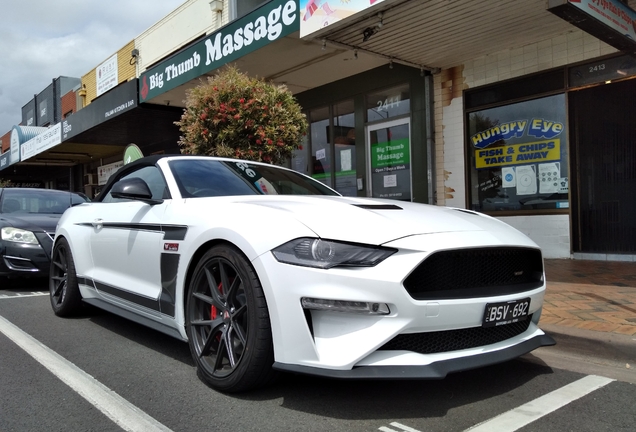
(173,247)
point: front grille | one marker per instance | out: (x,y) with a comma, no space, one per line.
(453,340)
(476,272)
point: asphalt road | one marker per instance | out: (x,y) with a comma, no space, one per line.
(99,372)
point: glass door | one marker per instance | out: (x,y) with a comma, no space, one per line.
(389,160)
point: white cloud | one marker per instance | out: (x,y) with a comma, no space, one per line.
(41,40)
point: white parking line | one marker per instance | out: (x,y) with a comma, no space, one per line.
(116,408)
(534,410)
(397,425)
(18,295)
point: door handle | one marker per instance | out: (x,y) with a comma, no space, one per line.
(98,223)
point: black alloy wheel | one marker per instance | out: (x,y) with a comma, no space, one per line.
(66,298)
(228,323)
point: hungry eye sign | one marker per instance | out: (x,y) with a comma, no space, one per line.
(537,127)
(541,128)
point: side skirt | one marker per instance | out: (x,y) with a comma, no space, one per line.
(134,317)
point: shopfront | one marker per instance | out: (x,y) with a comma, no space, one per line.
(559,142)
(368,135)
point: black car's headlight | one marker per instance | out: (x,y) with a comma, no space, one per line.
(18,235)
(314,252)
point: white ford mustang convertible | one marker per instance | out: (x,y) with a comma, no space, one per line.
(262,269)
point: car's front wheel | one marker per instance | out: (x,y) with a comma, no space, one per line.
(66,298)
(227,322)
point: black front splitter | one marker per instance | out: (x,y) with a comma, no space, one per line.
(436,370)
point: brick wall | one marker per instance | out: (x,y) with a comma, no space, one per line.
(68,103)
(552,233)
(6,141)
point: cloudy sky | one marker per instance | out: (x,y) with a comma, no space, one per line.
(43,39)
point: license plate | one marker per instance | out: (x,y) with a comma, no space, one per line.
(503,313)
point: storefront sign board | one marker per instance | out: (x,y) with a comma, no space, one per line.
(611,21)
(116,102)
(272,21)
(46,140)
(106,75)
(317,14)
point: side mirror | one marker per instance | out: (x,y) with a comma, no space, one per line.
(133,188)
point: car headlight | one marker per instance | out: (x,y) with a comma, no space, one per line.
(313,252)
(18,235)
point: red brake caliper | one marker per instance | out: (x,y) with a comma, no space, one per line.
(213,310)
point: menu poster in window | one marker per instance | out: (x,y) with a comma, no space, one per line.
(526,180)
(549,177)
(508,179)
(345,160)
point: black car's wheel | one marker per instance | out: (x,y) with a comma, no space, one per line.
(66,299)
(227,322)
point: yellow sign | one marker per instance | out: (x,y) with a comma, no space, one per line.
(518,154)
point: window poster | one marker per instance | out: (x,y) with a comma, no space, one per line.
(391,163)
(508,178)
(526,180)
(549,177)
(518,155)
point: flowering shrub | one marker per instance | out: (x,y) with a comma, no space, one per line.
(234,115)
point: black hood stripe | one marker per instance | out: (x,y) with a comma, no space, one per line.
(171,232)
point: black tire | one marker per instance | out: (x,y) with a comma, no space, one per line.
(66,298)
(227,322)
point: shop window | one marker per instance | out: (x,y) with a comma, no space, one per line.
(320,148)
(518,156)
(332,142)
(344,138)
(299,157)
(388,103)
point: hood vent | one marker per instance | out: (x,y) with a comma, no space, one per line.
(470,212)
(378,206)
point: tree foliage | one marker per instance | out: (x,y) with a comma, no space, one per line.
(234,115)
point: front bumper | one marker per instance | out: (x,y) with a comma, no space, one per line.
(24,259)
(347,343)
(435,370)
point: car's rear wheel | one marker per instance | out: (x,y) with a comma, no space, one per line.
(227,322)
(66,298)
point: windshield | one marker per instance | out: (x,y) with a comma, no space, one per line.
(44,201)
(204,178)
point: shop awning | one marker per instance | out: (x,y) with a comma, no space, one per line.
(106,126)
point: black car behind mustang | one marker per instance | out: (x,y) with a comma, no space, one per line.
(28,218)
